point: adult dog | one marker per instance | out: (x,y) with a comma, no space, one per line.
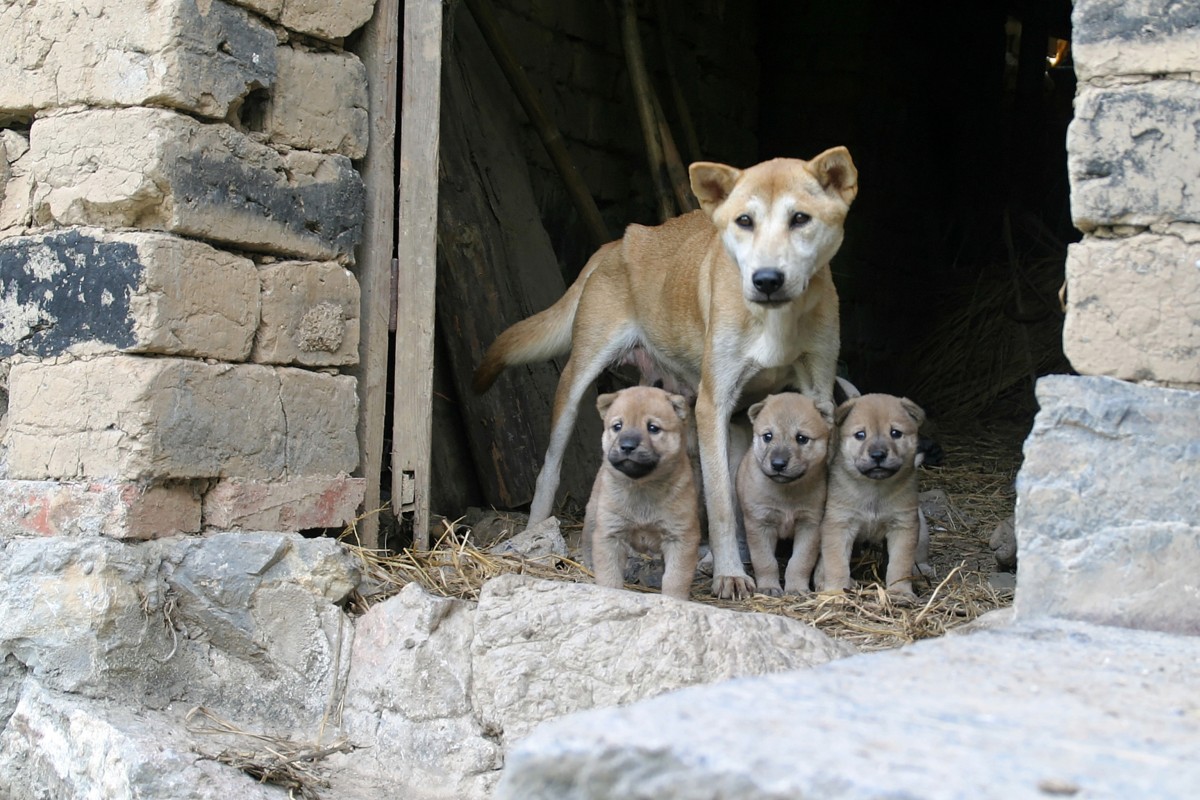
(736,300)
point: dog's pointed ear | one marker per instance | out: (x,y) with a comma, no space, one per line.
(913,410)
(843,411)
(755,410)
(712,183)
(680,404)
(604,402)
(836,171)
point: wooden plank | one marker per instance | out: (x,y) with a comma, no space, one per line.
(378,50)
(416,250)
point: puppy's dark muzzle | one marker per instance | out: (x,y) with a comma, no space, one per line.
(629,458)
(778,464)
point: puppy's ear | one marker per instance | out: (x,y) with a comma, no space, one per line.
(836,171)
(755,410)
(680,404)
(843,411)
(712,183)
(604,402)
(913,410)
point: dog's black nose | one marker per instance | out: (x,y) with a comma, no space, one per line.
(779,464)
(629,442)
(768,280)
(877,455)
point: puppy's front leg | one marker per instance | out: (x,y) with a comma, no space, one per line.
(713,409)
(806,547)
(679,562)
(608,559)
(837,542)
(902,548)
(762,539)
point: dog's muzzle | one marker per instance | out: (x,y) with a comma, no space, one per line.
(632,467)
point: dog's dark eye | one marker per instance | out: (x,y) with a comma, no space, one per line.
(768,436)
(896,434)
(800,219)
(653,427)
(860,435)
(801,438)
(744,221)
(616,426)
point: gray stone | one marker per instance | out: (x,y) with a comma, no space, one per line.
(327,19)
(319,103)
(1132,156)
(1134,308)
(546,648)
(16,185)
(88,291)
(1108,503)
(537,541)
(1056,708)
(1003,543)
(1143,37)
(154,169)
(310,315)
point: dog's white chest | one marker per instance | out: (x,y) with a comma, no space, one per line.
(776,343)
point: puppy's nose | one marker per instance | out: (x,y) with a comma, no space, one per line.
(629,442)
(779,464)
(877,454)
(767,280)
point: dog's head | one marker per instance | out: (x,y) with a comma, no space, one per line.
(781,220)
(878,435)
(643,426)
(791,438)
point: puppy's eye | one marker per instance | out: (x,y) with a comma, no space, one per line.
(744,221)
(896,434)
(768,436)
(800,219)
(616,426)
(653,427)
(801,439)
(860,435)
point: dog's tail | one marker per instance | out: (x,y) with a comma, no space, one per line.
(538,338)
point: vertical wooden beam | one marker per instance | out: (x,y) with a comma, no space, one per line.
(378,50)
(416,250)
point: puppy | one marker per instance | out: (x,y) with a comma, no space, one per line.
(781,488)
(645,494)
(872,496)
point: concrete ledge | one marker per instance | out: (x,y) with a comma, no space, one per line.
(1059,708)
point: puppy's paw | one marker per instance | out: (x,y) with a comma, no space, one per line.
(770,591)
(797,592)
(902,599)
(733,587)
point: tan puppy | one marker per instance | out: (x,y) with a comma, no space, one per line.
(873,489)
(736,300)
(781,489)
(645,494)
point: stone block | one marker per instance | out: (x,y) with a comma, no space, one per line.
(1108,502)
(290,505)
(309,315)
(116,510)
(153,169)
(1134,308)
(1132,155)
(130,418)
(319,103)
(204,57)
(16,185)
(1150,37)
(85,290)
(325,19)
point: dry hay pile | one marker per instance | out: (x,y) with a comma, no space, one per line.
(977,480)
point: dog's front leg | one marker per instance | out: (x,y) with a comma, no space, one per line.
(714,406)
(806,547)
(902,549)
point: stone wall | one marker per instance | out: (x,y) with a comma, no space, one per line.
(1107,518)
(179,212)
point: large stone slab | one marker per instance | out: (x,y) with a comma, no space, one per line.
(1134,308)
(153,169)
(1057,709)
(319,103)
(117,510)
(135,418)
(326,19)
(1108,505)
(289,505)
(85,290)
(1132,155)
(1144,37)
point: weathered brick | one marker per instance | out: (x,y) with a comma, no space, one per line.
(1132,155)
(88,290)
(132,418)
(1112,37)
(116,510)
(1108,499)
(319,103)
(154,169)
(204,57)
(309,315)
(327,19)
(291,505)
(15,183)
(1134,308)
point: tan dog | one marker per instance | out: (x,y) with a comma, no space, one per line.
(873,489)
(736,300)
(645,494)
(781,489)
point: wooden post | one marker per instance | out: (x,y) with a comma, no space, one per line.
(380,42)
(416,251)
(643,96)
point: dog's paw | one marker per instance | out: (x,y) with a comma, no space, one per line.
(902,599)
(732,587)
(769,591)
